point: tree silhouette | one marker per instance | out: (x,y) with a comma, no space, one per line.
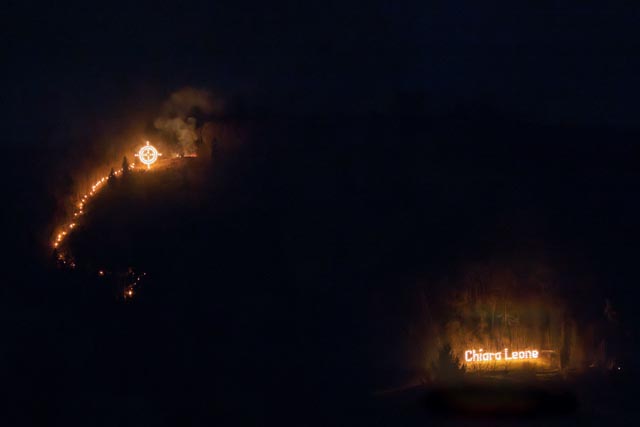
(112,177)
(447,367)
(125,166)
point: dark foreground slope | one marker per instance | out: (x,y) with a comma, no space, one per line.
(263,264)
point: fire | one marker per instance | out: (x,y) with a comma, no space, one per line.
(80,205)
(472,356)
(148,155)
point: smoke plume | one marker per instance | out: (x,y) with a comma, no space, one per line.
(182,115)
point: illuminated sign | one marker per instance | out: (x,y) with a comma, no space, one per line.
(148,154)
(472,356)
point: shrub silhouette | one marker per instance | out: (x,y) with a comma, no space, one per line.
(447,367)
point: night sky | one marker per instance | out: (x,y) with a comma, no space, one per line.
(375,148)
(535,61)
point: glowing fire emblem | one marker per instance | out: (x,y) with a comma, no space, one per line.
(148,154)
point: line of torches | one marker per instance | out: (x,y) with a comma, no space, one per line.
(129,289)
(134,280)
(79,211)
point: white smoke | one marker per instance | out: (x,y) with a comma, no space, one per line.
(177,117)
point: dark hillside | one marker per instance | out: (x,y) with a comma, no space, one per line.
(257,259)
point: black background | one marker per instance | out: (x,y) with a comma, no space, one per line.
(389,144)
